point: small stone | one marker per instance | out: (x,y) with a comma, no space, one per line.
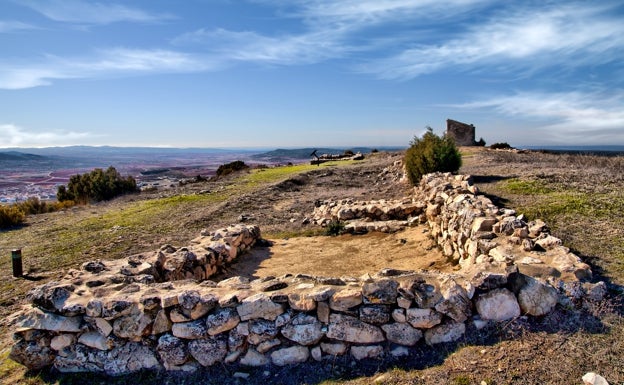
(498,305)
(402,334)
(445,333)
(592,378)
(62,341)
(208,351)
(96,340)
(259,306)
(172,350)
(362,352)
(345,299)
(222,320)
(350,329)
(190,330)
(316,353)
(35,318)
(304,330)
(268,345)
(423,318)
(381,292)
(399,315)
(261,330)
(242,375)
(290,356)
(374,314)
(162,324)
(334,349)
(399,351)
(322,312)
(301,302)
(253,358)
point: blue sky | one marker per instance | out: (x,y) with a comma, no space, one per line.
(277,73)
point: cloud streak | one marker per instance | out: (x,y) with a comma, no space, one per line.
(7,26)
(588,117)
(568,35)
(84,12)
(104,63)
(15,136)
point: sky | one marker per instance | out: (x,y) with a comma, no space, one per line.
(301,73)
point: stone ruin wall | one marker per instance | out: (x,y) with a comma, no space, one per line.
(158,310)
(462,133)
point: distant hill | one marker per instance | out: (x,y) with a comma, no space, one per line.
(306,153)
(19,156)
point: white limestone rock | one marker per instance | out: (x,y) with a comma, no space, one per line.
(289,356)
(498,305)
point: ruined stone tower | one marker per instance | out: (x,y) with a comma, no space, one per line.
(462,133)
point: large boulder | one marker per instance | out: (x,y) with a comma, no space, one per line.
(350,329)
(498,305)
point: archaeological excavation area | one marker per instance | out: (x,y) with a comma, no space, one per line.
(164,310)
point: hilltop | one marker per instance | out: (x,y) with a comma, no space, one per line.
(580,197)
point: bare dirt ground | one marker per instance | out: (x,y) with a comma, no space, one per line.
(580,198)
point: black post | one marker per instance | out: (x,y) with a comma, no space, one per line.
(16,257)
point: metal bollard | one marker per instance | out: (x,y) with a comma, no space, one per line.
(16,257)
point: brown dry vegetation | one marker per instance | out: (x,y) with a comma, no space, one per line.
(580,197)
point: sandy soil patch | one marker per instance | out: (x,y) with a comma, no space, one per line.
(352,255)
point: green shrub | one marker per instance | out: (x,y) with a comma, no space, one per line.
(10,215)
(229,168)
(335,227)
(501,146)
(431,153)
(480,142)
(98,185)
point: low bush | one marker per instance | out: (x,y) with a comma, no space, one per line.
(431,153)
(334,228)
(98,185)
(231,167)
(501,146)
(11,215)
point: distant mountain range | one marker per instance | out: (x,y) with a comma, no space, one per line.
(306,153)
(19,156)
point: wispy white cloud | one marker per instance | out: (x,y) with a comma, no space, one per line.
(248,46)
(588,117)
(15,136)
(528,38)
(89,12)
(104,63)
(13,26)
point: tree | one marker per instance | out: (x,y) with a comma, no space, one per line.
(98,185)
(431,153)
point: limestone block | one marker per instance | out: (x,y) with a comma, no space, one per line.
(304,330)
(96,340)
(334,349)
(128,358)
(301,302)
(537,298)
(51,296)
(35,318)
(399,315)
(161,323)
(498,305)
(190,330)
(208,351)
(402,334)
(322,293)
(445,333)
(482,224)
(114,308)
(316,353)
(350,329)
(172,350)
(259,306)
(290,356)
(595,291)
(375,314)
(345,299)
(362,352)
(222,320)
(253,358)
(31,354)
(261,330)
(456,303)
(322,312)
(132,326)
(265,346)
(592,378)
(549,242)
(62,341)
(423,318)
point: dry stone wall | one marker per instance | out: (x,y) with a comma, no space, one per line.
(159,311)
